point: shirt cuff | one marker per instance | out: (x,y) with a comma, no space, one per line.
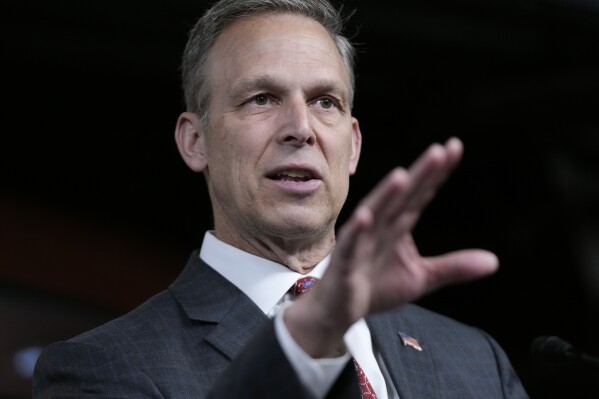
(316,375)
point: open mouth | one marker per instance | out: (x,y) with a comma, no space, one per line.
(292,175)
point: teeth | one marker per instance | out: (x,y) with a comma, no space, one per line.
(295,174)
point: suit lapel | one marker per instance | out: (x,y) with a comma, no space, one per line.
(209,298)
(212,301)
(412,371)
(237,327)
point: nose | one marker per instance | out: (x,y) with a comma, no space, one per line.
(296,128)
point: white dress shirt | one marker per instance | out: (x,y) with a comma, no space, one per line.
(266,283)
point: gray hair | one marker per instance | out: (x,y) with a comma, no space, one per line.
(222,14)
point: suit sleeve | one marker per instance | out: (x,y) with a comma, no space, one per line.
(510,382)
(82,370)
(263,371)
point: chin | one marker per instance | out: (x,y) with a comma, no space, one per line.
(301,227)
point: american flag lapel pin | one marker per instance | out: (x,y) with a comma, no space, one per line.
(409,341)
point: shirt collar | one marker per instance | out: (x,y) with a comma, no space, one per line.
(265,282)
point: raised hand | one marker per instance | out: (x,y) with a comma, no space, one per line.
(376,265)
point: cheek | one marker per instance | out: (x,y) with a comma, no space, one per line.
(339,169)
(233,157)
(340,155)
(224,147)
(234,172)
(339,158)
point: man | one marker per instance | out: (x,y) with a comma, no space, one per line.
(269,88)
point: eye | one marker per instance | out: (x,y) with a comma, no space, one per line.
(326,103)
(261,99)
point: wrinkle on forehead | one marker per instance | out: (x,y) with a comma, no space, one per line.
(278,83)
(297,42)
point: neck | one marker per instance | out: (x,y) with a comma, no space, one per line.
(299,254)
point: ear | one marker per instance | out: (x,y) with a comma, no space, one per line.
(191,141)
(356,146)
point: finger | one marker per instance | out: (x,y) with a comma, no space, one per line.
(390,194)
(431,170)
(460,266)
(393,184)
(349,235)
(389,190)
(426,181)
(424,178)
(455,149)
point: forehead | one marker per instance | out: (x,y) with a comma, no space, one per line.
(281,43)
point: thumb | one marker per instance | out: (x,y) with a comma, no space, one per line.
(462,266)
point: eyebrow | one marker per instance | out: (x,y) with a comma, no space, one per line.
(260,82)
(272,83)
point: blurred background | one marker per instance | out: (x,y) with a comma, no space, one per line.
(98,212)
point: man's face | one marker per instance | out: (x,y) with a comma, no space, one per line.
(281,142)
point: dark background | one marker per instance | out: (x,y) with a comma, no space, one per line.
(98,212)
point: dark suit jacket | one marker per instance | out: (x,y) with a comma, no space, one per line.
(204,338)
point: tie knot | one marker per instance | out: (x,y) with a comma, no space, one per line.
(304,285)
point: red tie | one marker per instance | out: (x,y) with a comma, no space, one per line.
(304,285)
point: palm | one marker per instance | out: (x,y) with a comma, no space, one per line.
(376,264)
